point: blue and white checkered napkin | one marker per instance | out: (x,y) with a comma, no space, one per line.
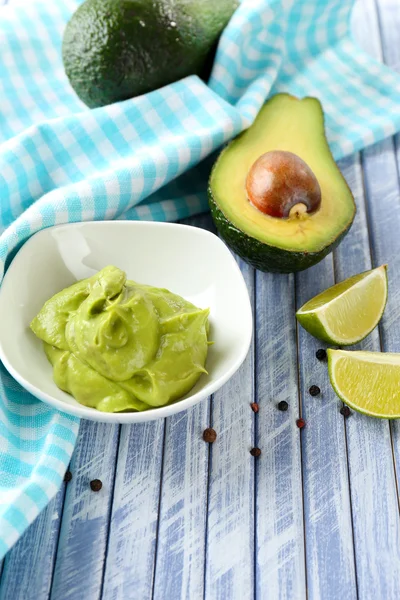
(61,162)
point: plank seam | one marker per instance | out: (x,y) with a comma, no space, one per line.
(110,514)
(351,506)
(300,407)
(396,481)
(60,520)
(159,509)
(210,420)
(256,436)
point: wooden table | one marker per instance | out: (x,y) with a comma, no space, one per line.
(316,515)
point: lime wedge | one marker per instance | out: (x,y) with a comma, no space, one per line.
(347,312)
(369,382)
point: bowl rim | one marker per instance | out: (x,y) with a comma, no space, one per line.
(84,412)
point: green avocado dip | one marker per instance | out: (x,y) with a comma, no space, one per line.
(116,345)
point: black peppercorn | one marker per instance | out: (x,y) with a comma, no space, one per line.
(314,390)
(96,485)
(209,435)
(283,405)
(67,476)
(345,411)
(255,451)
(321,354)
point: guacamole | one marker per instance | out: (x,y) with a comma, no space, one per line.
(116,345)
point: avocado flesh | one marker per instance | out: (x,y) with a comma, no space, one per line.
(270,243)
(118,49)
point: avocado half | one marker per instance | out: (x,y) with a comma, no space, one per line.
(281,245)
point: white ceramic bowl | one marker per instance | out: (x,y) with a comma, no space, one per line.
(191,262)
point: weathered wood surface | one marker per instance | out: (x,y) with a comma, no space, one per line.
(315,516)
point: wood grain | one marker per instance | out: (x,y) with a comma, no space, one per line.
(382,167)
(327,509)
(84,527)
(280,566)
(230,523)
(28,569)
(371,465)
(181,535)
(134,518)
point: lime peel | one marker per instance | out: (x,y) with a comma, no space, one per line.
(368,382)
(348,311)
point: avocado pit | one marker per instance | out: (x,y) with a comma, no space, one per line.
(280,184)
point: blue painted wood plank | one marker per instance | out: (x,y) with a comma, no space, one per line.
(382,184)
(230,523)
(381,167)
(133,529)
(383,195)
(181,536)
(327,510)
(389,18)
(280,566)
(28,567)
(372,468)
(372,474)
(84,528)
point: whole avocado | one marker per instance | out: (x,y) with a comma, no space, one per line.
(118,49)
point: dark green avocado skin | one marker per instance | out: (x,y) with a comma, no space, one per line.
(263,256)
(118,49)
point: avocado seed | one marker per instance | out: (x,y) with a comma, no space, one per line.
(281,184)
